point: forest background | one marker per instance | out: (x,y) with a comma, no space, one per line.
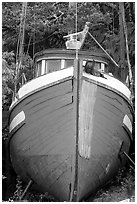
(45,25)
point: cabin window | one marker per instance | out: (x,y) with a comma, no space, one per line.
(69,63)
(57,64)
(52,65)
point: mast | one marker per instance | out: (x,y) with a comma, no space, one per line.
(123,45)
(20,48)
(75,41)
(74,184)
(71,39)
(122,41)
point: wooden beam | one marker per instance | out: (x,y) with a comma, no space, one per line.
(77,90)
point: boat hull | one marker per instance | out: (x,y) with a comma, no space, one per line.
(43,144)
(102,137)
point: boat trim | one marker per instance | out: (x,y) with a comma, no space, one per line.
(39,89)
(107,87)
(86,76)
(67,58)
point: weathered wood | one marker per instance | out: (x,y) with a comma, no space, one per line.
(77,89)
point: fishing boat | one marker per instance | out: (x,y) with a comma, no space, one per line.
(71,126)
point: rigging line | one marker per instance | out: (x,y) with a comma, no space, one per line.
(127,47)
(17,58)
(17,54)
(28,45)
(19,38)
(76,27)
(17,49)
(77,71)
(20,43)
(24,8)
(113,19)
(103,49)
(34,33)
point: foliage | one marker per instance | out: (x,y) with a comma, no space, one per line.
(47,23)
(121,187)
(8,73)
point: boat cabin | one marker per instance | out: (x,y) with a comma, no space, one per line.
(54,60)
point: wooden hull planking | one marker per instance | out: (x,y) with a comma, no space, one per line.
(101,136)
(43,149)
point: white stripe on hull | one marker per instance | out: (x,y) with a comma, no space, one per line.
(20,117)
(127,123)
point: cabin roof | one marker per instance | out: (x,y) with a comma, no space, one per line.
(71,53)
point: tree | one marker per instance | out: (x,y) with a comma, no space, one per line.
(8,73)
(47,23)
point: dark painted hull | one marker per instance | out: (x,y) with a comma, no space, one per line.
(43,147)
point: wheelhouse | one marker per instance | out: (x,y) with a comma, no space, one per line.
(55,60)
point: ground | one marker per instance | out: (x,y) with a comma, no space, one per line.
(120,188)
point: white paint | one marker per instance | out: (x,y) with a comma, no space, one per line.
(61,74)
(43,67)
(62,64)
(102,67)
(127,123)
(20,117)
(126,200)
(43,81)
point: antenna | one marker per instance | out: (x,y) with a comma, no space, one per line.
(76,40)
